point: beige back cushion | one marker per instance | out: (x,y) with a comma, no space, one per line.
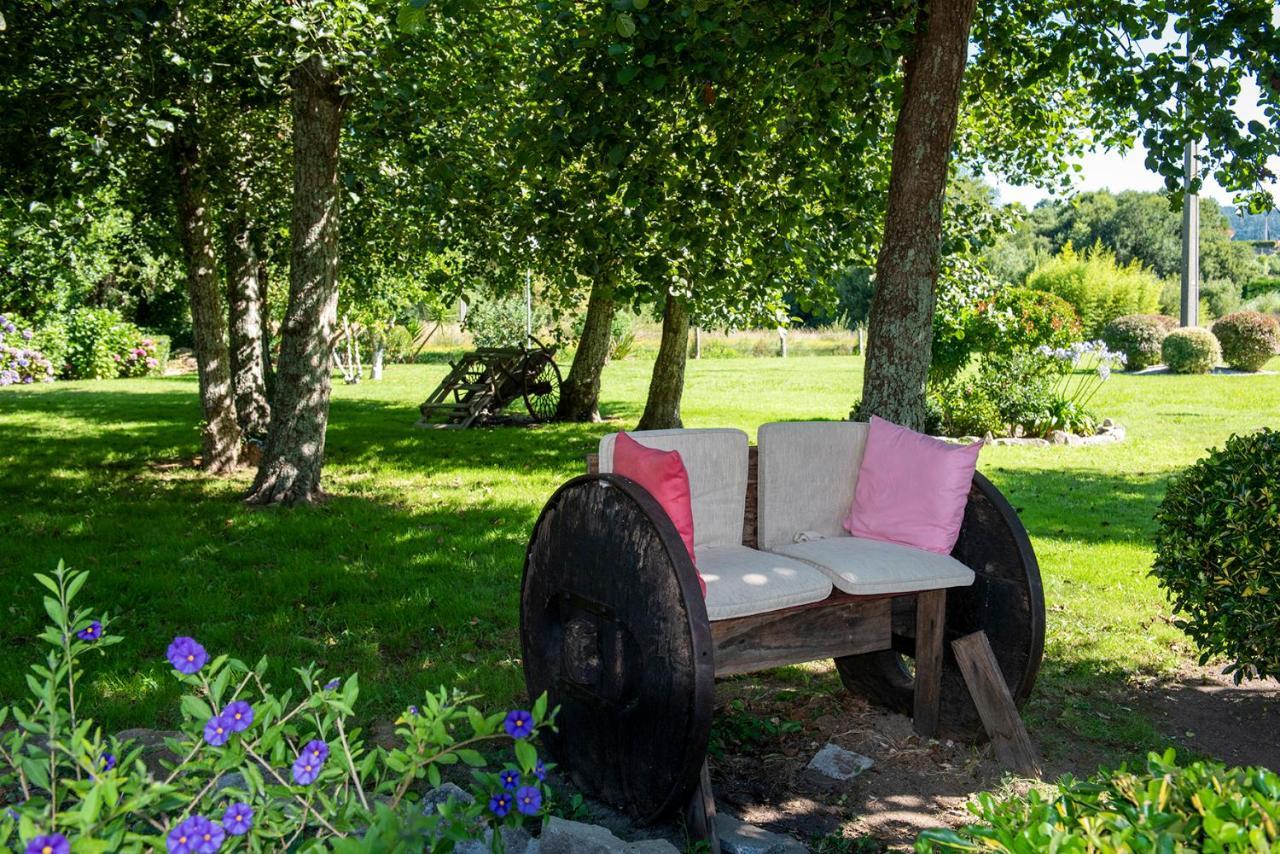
(807,474)
(716,460)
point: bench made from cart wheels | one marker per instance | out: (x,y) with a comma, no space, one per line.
(615,629)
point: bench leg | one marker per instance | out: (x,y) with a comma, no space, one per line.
(700,814)
(931,609)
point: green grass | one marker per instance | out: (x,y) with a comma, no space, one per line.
(410,573)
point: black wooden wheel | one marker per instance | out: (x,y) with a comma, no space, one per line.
(541,385)
(614,629)
(1006,601)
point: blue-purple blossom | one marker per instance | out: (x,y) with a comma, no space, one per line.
(500,804)
(306,770)
(238,715)
(413,711)
(217,731)
(529,800)
(317,750)
(106,761)
(510,779)
(186,655)
(53,843)
(519,724)
(91,632)
(540,770)
(238,819)
(332,684)
(196,835)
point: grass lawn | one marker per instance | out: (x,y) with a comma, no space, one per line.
(410,574)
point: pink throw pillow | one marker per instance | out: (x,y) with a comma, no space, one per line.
(663,475)
(912,488)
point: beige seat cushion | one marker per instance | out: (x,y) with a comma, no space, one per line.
(873,568)
(743,581)
(716,460)
(807,474)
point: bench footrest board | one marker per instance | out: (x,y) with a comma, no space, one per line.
(797,635)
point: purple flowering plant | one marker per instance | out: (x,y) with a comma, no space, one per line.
(255,769)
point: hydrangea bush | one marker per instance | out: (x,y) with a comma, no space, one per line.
(254,769)
(20,362)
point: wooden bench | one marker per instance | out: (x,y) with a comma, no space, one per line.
(615,629)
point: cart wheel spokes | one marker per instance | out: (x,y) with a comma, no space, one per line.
(541,385)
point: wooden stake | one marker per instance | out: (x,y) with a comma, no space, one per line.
(995,704)
(931,612)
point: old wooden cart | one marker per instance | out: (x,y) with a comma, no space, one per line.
(614,627)
(487,380)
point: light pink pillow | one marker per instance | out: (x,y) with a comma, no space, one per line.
(912,488)
(663,475)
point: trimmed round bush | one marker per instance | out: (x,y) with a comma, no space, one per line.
(1202,806)
(1248,338)
(1191,350)
(1216,555)
(1139,337)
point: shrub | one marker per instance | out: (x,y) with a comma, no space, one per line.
(1203,806)
(145,357)
(1025,319)
(1264,285)
(1268,303)
(1220,297)
(1215,552)
(1248,338)
(98,343)
(259,770)
(1099,288)
(20,362)
(1138,337)
(1191,350)
(495,321)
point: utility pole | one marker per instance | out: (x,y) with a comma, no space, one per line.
(1190,242)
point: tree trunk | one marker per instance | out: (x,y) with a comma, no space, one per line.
(580,393)
(264,322)
(375,372)
(666,386)
(294,456)
(220,435)
(244,299)
(900,337)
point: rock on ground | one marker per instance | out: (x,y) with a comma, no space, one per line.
(839,764)
(739,838)
(561,836)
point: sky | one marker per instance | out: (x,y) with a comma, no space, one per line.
(1124,170)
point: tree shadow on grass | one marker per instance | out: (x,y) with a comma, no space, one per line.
(1085,505)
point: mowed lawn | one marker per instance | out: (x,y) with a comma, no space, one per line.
(410,574)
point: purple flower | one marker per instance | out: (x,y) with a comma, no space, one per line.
(28,334)
(238,716)
(92,633)
(332,684)
(107,761)
(196,835)
(540,770)
(238,819)
(413,711)
(529,800)
(54,843)
(510,779)
(500,804)
(305,770)
(519,724)
(316,750)
(217,731)
(186,655)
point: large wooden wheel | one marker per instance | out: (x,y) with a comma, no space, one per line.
(1006,601)
(614,629)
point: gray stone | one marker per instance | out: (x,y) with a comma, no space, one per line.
(432,800)
(155,755)
(561,836)
(1107,423)
(1059,437)
(515,840)
(739,838)
(839,764)
(231,780)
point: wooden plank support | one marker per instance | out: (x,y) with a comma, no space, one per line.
(700,814)
(801,634)
(931,612)
(995,704)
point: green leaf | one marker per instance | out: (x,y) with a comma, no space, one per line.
(195,708)
(626,25)
(471,757)
(46,580)
(527,755)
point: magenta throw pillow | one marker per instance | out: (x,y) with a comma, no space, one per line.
(663,475)
(912,488)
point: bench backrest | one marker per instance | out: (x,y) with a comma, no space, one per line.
(716,460)
(806,478)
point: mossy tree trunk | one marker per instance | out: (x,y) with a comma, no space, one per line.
(666,386)
(580,393)
(220,435)
(899,343)
(245,298)
(294,456)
